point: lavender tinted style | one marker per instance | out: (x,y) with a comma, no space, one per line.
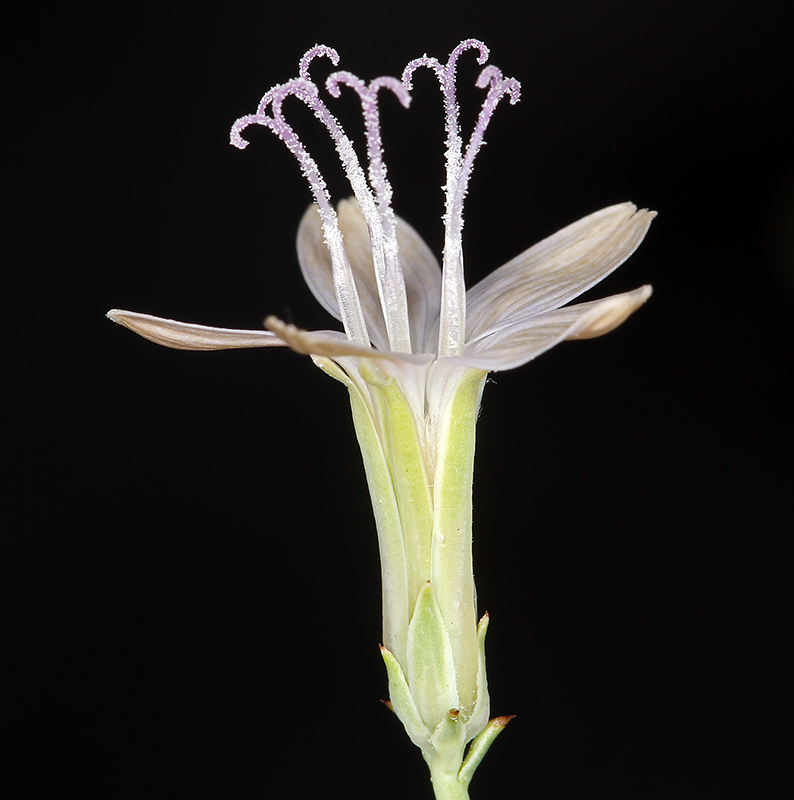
(507,319)
(375,198)
(452,323)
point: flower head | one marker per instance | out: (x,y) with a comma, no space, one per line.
(373,272)
(414,352)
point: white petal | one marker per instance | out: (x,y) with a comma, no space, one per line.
(315,262)
(558,269)
(420,269)
(522,339)
(185,336)
(605,315)
(332,344)
(422,275)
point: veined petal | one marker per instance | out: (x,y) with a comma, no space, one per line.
(524,338)
(558,269)
(315,263)
(186,336)
(421,272)
(422,275)
(333,344)
(603,316)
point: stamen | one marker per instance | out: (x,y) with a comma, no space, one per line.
(344,282)
(452,318)
(309,56)
(376,209)
(498,87)
(379,217)
(389,275)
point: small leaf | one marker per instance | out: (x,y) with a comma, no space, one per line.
(479,716)
(479,747)
(402,703)
(430,666)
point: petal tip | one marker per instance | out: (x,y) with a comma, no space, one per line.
(610,313)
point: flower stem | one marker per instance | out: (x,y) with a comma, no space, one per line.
(446,786)
(444,765)
(450,778)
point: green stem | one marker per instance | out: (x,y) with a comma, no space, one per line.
(450,778)
(446,786)
(445,774)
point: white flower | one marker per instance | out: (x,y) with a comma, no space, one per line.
(414,354)
(513,315)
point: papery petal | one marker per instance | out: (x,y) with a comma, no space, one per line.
(420,269)
(524,338)
(333,344)
(558,269)
(607,314)
(422,275)
(186,336)
(315,263)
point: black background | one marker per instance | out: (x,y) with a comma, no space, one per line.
(194,605)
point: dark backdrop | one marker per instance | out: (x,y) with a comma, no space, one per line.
(194,606)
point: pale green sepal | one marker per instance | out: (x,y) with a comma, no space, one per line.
(479,747)
(451,546)
(331,368)
(402,703)
(482,705)
(404,451)
(397,606)
(429,665)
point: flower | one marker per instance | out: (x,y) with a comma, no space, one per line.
(414,354)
